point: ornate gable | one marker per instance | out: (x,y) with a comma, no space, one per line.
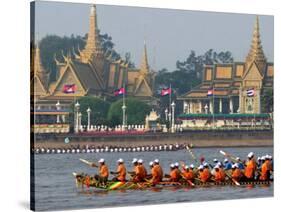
(68,77)
(37,87)
(252,77)
(143,88)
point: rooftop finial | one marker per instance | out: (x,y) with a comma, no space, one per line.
(256,53)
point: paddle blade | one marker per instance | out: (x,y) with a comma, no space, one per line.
(222,152)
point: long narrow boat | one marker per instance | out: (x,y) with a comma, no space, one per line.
(84,180)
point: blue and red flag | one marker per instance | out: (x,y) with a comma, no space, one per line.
(69,88)
(251,92)
(119,91)
(166,91)
(210,92)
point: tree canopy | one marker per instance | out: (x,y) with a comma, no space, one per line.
(135,112)
(99,109)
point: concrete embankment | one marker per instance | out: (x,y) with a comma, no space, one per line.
(198,139)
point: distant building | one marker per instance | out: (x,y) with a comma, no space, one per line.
(92,72)
(232,88)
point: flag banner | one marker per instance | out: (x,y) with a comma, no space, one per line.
(166,91)
(69,88)
(251,92)
(119,91)
(210,92)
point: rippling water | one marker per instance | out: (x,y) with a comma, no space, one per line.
(55,186)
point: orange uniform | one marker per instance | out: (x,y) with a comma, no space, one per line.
(250,169)
(204,175)
(175,175)
(121,169)
(140,172)
(219,175)
(237,174)
(265,170)
(103,171)
(188,175)
(157,173)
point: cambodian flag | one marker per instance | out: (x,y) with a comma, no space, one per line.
(69,88)
(251,92)
(210,92)
(119,91)
(166,91)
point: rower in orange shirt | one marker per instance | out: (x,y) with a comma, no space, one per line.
(187,173)
(157,172)
(219,174)
(174,174)
(250,167)
(236,172)
(204,173)
(265,169)
(120,172)
(136,176)
(103,172)
(142,173)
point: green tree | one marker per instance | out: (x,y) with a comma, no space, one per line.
(99,109)
(136,111)
(267,101)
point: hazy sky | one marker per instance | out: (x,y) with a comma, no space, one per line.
(170,34)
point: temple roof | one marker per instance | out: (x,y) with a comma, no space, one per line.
(93,44)
(256,53)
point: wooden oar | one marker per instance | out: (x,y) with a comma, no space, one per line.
(228,156)
(88,162)
(189,181)
(192,154)
(233,180)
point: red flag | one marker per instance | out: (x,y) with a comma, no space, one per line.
(210,92)
(69,88)
(166,91)
(119,91)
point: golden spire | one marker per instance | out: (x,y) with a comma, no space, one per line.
(144,68)
(93,45)
(256,53)
(38,68)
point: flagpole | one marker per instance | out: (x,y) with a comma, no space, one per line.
(213,99)
(170,103)
(124,109)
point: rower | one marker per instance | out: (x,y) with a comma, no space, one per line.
(215,162)
(204,173)
(158,169)
(265,169)
(174,174)
(227,164)
(103,172)
(120,172)
(187,173)
(219,174)
(250,167)
(236,172)
(239,163)
(141,170)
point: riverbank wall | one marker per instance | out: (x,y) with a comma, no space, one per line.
(197,139)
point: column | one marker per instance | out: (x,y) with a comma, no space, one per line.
(211,106)
(220,105)
(191,107)
(230,105)
(200,106)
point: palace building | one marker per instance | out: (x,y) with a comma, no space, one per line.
(89,72)
(232,88)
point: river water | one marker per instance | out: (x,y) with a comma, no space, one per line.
(55,186)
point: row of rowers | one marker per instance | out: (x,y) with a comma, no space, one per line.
(220,172)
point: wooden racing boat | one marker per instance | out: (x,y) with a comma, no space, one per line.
(83,180)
